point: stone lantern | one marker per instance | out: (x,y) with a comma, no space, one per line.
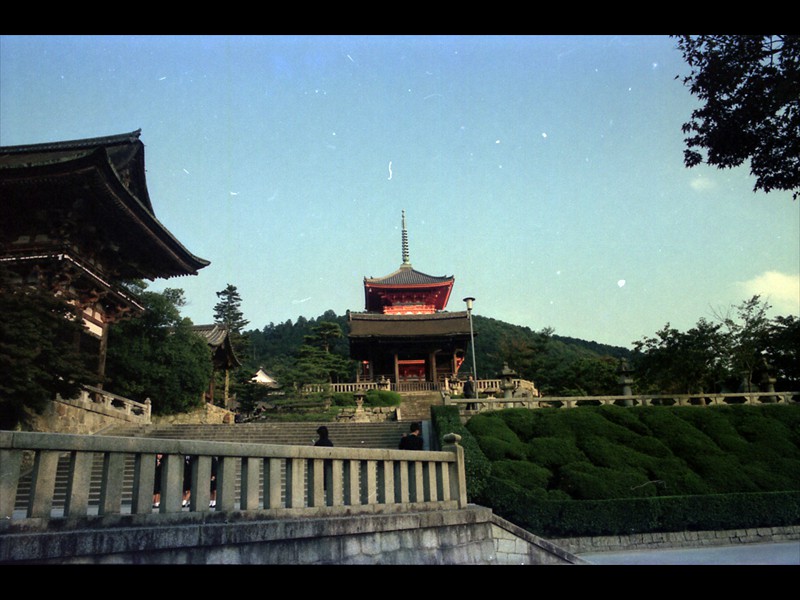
(507,377)
(625,379)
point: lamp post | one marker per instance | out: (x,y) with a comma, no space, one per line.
(469,302)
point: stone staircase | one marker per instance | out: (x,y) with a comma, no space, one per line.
(416,406)
(348,435)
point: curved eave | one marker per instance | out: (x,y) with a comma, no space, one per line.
(132,218)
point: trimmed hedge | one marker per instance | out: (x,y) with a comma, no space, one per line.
(609,470)
(446,419)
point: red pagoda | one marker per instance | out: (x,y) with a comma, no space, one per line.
(405,335)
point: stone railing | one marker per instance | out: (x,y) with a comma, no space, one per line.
(492,403)
(252,479)
(131,408)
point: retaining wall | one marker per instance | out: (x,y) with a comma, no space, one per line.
(469,536)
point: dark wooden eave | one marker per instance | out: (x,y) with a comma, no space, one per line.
(375,326)
(98,184)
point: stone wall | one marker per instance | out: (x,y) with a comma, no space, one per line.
(678,539)
(208,414)
(78,416)
(470,536)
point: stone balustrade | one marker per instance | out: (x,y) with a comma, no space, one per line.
(492,403)
(268,481)
(131,408)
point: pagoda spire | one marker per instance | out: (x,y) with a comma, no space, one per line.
(406,260)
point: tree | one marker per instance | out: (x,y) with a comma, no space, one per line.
(783,352)
(748,332)
(228,312)
(750,89)
(681,362)
(158,356)
(39,356)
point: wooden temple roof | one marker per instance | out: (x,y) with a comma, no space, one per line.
(374,325)
(93,190)
(218,338)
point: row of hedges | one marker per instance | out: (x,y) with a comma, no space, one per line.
(609,470)
(586,518)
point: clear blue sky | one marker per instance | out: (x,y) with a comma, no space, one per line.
(544,173)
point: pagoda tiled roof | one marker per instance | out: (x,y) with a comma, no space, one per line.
(407,275)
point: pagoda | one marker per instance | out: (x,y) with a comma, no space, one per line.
(405,335)
(78,220)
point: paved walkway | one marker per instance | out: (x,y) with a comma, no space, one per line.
(778,553)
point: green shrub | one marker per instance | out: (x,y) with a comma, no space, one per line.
(491,425)
(585,481)
(447,419)
(553,452)
(521,421)
(377,398)
(497,449)
(522,473)
(343,399)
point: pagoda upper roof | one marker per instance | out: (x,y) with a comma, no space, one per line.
(100,184)
(406,275)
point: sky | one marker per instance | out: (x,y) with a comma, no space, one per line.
(544,173)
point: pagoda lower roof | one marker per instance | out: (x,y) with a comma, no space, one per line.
(370,325)
(99,184)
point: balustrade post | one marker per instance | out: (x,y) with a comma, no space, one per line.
(457,471)
(10,465)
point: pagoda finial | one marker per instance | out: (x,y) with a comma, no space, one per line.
(405,242)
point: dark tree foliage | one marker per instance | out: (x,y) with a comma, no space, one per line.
(681,362)
(39,356)
(158,356)
(749,89)
(228,312)
(737,353)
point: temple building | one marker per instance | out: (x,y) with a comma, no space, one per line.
(405,335)
(77,219)
(223,358)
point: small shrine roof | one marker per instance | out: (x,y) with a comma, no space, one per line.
(218,338)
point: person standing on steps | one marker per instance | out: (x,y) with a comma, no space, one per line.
(324,440)
(469,392)
(412,440)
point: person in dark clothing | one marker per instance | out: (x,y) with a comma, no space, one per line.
(213,497)
(187,479)
(157,481)
(413,440)
(323,440)
(469,392)
(469,388)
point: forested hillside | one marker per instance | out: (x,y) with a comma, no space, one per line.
(553,362)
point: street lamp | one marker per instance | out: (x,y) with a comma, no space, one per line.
(469,302)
